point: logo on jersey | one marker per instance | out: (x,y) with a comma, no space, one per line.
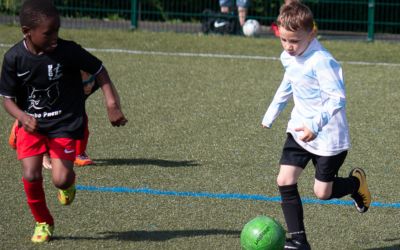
(43,98)
(23,74)
(54,72)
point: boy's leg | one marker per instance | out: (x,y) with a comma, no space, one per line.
(82,159)
(62,153)
(64,180)
(29,150)
(242,6)
(37,203)
(242,12)
(81,144)
(342,187)
(292,206)
(329,186)
(36,200)
(293,160)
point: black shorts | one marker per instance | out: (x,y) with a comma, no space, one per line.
(326,167)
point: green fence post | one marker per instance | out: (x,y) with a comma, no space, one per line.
(134,14)
(371,20)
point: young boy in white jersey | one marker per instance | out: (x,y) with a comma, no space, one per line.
(317,129)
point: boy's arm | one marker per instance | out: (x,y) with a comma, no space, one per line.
(329,75)
(282,95)
(111,98)
(28,122)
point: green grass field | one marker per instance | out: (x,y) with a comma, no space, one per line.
(194,126)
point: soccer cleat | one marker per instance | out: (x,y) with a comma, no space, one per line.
(46,161)
(294,244)
(12,140)
(66,197)
(362,198)
(43,232)
(83,160)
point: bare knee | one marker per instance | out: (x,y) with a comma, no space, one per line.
(288,175)
(285,181)
(280,181)
(323,190)
(32,169)
(322,194)
(63,182)
(32,177)
(64,179)
(63,175)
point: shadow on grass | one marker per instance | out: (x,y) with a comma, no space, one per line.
(152,235)
(394,247)
(165,235)
(143,161)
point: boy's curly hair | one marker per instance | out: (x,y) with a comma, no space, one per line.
(33,11)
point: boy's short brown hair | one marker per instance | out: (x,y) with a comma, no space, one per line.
(295,16)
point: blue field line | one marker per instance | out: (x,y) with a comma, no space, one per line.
(233,196)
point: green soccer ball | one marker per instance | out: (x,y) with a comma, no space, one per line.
(262,233)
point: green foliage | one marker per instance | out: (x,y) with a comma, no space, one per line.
(341,15)
(10,6)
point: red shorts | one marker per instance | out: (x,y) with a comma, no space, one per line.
(31,144)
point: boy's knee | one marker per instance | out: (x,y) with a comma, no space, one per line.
(32,176)
(280,181)
(62,184)
(322,194)
(284,181)
(64,181)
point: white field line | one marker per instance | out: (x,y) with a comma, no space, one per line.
(211,55)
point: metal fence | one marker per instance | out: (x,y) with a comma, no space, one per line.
(363,18)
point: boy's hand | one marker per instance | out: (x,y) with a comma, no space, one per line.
(307,134)
(29,123)
(116,116)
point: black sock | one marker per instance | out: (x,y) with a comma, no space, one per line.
(344,186)
(293,211)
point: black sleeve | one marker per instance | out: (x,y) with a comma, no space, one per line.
(8,80)
(85,60)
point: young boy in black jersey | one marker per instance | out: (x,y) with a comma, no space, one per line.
(42,88)
(81,158)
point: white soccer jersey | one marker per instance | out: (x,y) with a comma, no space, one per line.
(315,82)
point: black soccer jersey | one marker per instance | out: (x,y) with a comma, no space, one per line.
(49,86)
